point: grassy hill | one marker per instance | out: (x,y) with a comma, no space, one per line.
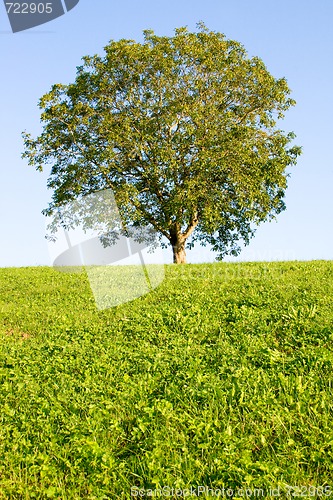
(220,377)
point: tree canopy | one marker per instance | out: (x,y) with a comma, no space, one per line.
(183,129)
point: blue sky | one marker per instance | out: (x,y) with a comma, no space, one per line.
(294,39)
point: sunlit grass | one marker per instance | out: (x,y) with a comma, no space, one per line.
(222,376)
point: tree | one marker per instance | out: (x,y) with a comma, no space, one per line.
(183,129)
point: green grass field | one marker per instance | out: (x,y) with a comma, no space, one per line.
(221,377)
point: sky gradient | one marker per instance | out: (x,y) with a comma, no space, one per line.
(294,39)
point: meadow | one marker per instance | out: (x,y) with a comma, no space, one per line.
(222,376)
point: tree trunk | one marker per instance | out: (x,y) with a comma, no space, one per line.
(178,241)
(179,254)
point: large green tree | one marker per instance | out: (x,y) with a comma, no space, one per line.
(183,129)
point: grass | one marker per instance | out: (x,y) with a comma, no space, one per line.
(222,376)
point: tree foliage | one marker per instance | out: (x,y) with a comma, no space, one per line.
(183,129)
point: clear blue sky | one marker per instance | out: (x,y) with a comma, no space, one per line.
(294,39)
